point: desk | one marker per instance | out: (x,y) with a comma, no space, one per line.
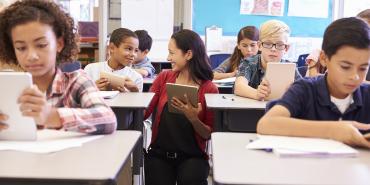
(148,83)
(124,103)
(96,162)
(235,113)
(159,65)
(234,164)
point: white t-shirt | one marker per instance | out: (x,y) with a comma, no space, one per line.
(93,71)
(342,104)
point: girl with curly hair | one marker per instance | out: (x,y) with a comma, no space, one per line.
(37,35)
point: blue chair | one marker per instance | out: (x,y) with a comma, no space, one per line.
(70,66)
(302,70)
(217,59)
(302,60)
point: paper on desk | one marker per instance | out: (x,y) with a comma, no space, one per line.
(108,94)
(225,81)
(49,141)
(302,147)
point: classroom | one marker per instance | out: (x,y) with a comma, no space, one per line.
(186,92)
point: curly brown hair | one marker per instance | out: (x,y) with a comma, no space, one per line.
(43,11)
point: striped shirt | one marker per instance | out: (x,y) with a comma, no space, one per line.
(79,105)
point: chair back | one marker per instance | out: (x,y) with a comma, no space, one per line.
(302,60)
(217,59)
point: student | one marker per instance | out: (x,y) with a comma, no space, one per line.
(177,153)
(247,47)
(335,105)
(142,63)
(365,15)
(314,66)
(123,48)
(36,35)
(273,44)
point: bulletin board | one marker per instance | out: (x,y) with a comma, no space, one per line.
(226,14)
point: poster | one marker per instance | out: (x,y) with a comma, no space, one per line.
(262,7)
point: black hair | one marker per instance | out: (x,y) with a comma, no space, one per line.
(349,31)
(145,40)
(119,35)
(199,64)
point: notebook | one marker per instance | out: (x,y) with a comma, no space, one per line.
(285,146)
(225,81)
(20,127)
(280,76)
(178,91)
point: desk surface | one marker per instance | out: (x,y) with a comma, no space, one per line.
(131,100)
(234,164)
(231,101)
(98,160)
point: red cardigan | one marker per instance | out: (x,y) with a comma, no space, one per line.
(160,99)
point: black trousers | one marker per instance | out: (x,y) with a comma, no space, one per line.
(164,170)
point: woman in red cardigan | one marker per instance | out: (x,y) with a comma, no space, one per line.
(177,153)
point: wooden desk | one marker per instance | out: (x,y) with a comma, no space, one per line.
(123,104)
(96,162)
(234,164)
(235,113)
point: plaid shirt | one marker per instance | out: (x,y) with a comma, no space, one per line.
(79,105)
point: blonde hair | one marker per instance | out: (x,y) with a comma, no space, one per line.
(274,29)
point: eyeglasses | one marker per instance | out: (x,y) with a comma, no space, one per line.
(278,46)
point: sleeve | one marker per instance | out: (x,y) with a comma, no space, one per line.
(223,67)
(156,89)
(209,114)
(139,81)
(295,98)
(93,116)
(149,67)
(245,70)
(89,70)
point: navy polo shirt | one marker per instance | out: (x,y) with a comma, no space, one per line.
(309,99)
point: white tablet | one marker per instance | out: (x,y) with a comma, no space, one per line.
(20,127)
(280,76)
(178,91)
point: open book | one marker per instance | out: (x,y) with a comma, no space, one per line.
(285,146)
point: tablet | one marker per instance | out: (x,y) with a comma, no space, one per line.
(178,91)
(114,80)
(280,76)
(20,127)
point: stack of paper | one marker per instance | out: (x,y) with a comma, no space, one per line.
(49,141)
(108,94)
(302,147)
(226,81)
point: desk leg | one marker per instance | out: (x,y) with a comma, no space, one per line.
(138,151)
(218,127)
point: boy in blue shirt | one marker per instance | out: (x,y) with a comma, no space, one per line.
(142,63)
(336,105)
(273,44)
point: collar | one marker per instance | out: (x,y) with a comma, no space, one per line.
(57,86)
(324,96)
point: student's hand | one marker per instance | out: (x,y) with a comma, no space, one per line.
(33,104)
(187,108)
(102,84)
(130,85)
(233,74)
(348,133)
(3,118)
(263,90)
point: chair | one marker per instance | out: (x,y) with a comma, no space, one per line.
(217,59)
(71,66)
(302,70)
(302,60)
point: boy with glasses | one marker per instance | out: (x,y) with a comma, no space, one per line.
(273,44)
